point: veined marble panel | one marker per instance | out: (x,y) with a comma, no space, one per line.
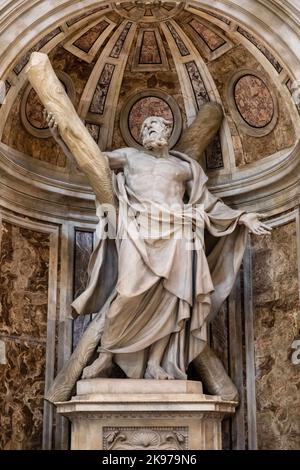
(276,325)
(149,53)
(24,282)
(24,271)
(88,39)
(21,395)
(213,40)
(83,251)
(41,43)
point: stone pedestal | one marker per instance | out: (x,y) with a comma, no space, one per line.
(125,414)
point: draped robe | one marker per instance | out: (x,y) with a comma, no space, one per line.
(148,289)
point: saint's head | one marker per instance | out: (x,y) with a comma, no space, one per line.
(155,132)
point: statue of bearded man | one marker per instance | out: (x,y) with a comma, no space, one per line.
(155,286)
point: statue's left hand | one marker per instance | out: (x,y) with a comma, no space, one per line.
(252,221)
(52,124)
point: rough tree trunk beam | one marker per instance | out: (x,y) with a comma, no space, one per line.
(85,150)
(202,131)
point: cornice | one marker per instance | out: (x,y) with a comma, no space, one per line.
(271,185)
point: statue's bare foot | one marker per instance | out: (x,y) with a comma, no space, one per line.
(99,368)
(154,371)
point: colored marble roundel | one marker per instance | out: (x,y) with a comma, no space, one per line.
(145,107)
(254,101)
(34,111)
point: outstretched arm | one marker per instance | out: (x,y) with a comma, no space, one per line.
(252,221)
(77,138)
(116,159)
(223,219)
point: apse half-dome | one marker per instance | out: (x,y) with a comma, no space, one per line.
(121,61)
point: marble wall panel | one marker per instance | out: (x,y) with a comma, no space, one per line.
(149,53)
(4,89)
(213,40)
(41,43)
(24,282)
(278,67)
(283,134)
(83,250)
(94,130)
(276,325)
(88,39)
(169,5)
(213,154)
(21,395)
(102,88)
(128,6)
(200,92)
(34,111)
(16,136)
(23,328)
(178,40)
(292,89)
(117,49)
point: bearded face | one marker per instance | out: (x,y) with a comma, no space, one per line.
(155,132)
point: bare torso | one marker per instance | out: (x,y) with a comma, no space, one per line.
(157,179)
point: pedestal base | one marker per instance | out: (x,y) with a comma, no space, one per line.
(125,414)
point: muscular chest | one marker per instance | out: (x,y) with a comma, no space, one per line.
(145,165)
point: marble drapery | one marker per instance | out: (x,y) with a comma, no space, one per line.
(144,294)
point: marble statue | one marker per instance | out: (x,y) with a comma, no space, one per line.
(152,290)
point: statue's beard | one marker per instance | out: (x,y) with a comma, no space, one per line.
(152,143)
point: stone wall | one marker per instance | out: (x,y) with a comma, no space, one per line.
(23,329)
(276,325)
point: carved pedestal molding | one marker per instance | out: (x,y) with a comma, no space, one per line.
(120,414)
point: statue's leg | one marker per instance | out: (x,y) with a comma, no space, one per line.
(154,370)
(214,376)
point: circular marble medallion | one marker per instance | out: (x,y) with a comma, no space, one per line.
(254,101)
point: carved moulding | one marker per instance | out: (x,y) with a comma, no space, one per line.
(145,437)
(268,185)
(127,414)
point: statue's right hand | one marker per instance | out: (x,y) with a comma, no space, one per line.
(52,124)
